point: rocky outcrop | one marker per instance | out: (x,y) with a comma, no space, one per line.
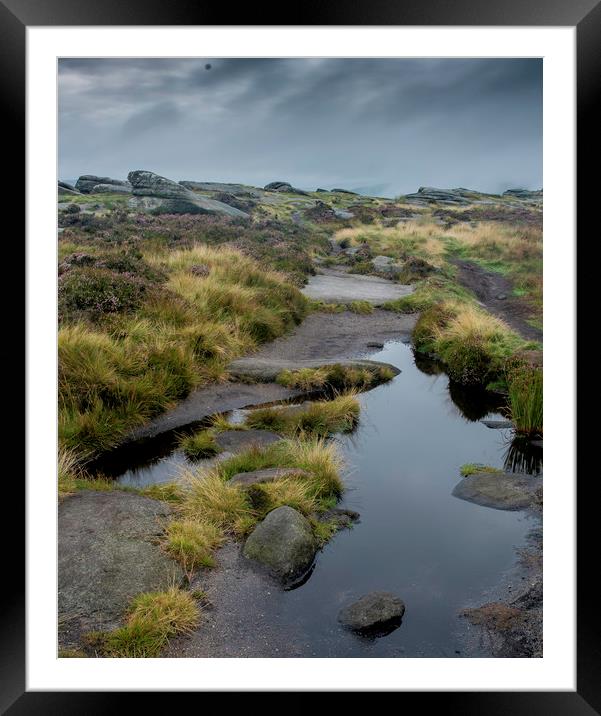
(431,195)
(235,189)
(156,193)
(145,183)
(501,491)
(283,186)
(283,544)
(344,191)
(112,189)
(65,188)
(525,195)
(379,612)
(87,182)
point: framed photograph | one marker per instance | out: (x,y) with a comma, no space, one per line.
(285,289)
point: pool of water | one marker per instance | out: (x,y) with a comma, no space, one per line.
(438,553)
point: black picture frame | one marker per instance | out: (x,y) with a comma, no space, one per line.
(585,15)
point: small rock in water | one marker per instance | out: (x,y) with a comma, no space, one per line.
(376,614)
(375,344)
(497,424)
(501,296)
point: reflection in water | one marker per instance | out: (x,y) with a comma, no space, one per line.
(474,403)
(523,456)
(427,365)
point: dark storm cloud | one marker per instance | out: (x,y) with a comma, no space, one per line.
(393,124)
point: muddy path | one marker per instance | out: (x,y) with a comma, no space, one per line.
(495,292)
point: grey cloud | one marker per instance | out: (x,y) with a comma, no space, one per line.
(393,123)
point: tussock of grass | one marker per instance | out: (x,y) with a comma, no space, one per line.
(192,543)
(200,445)
(152,620)
(473,344)
(472,468)
(361,307)
(526,399)
(336,377)
(209,498)
(319,419)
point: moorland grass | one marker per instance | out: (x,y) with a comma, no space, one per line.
(118,372)
(526,399)
(318,419)
(153,618)
(230,509)
(336,377)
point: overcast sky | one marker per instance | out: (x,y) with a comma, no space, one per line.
(383,126)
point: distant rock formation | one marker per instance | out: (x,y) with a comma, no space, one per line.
(111,189)
(525,194)
(86,183)
(343,191)
(283,186)
(65,188)
(154,192)
(235,189)
(460,196)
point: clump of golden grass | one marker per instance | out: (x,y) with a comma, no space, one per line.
(192,543)
(152,620)
(318,419)
(472,343)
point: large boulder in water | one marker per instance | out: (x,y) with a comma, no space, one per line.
(284,544)
(87,182)
(376,612)
(501,490)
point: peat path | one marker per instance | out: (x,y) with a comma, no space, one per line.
(495,291)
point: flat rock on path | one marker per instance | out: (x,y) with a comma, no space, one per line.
(501,491)
(339,336)
(107,554)
(339,287)
(210,400)
(495,292)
